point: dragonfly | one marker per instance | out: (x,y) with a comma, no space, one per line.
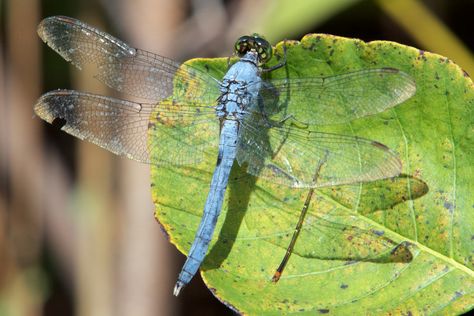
(257,122)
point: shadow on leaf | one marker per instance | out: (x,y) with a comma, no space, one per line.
(327,236)
(378,195)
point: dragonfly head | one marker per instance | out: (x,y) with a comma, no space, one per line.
(254,43)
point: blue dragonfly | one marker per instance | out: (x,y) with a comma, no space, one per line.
(257,122)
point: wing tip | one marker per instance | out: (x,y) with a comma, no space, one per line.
(41,108)
(45,32)
(44,106)
(45,24)
(408,83)
(392,157)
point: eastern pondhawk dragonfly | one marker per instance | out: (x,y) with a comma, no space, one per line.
(256,122)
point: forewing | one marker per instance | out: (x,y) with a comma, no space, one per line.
(339,98)
(289,155)
(120,66)
(122,126)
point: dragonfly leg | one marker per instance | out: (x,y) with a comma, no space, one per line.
(228,60)
(279,65)
(294,121)
(263,112)
(280,173)
(261,107)
(289,250)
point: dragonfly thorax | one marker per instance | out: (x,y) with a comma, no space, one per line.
(239,88)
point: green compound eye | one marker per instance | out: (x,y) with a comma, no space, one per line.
(256,43)
(242,45)
(264,50)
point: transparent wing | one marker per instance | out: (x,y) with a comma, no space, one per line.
(337,99)
(120,126)
(338,241)
(289,155)
(124,68)
(328,232)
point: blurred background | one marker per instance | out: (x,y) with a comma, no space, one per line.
(77,231)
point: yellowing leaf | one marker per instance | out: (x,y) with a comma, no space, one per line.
(351,256)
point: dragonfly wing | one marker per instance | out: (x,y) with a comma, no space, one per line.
(334,238)
(124,68)
(337,99)
(183,135)
(122,126)
(288,155)
(329,232)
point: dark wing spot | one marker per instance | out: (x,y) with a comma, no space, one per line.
(392,70)
(59,122)
(380,145)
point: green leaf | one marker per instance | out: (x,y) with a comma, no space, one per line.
(400,245)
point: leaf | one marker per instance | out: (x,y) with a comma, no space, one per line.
(426,213)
